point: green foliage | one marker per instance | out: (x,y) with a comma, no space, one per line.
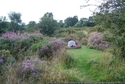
(4,52)
(31,24)
(85,61)
(61,24)
(35,46)
(48,25)
(69,62)
(117,71)
(14,27)
(32,28)
(64,32)
(81,34)
(107,36)
(15,17)
(16,22)
(98,66)
(54,46)
(78,24)
(3,24)
(89,22)
(97,28)
(111,16)
(71,21)
(84,41)
(20,47)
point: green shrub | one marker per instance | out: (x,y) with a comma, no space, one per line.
(84,41)
(64,32)
(69,61)
(81,34)
(97,29)
(5,53)
(54,46)
(20,45)
(37,45)
(96,41)
(107,36)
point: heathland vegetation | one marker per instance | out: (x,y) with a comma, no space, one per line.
(35,53)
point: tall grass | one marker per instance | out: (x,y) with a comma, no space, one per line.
(35,70)
(98,66)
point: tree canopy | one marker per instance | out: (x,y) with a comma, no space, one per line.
(71,21)
(3,24)
(47,24)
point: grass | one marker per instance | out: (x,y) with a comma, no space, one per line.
(86,62)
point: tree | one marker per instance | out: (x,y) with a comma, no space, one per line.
(61,24)
(31,24)
(50,15)
(68,21)
(47,24)
(85,22)
(74,20)
(71,21)
(15,23)
(90,22)
(78,24)
(3,24)
(15,17)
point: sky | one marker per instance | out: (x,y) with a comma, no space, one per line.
(33,10)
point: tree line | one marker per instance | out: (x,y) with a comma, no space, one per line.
(47,23)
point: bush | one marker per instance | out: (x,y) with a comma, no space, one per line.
(75,36)
(37,44)
(107,36)
(54,46)
(5,53)
(19,44)
(29,68)
(2,60)
(81,34)
(22,72)
(95,41)
(84,41)
(6,57)
(64,32)
(97,29)
(45,51)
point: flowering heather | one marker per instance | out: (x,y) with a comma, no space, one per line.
(95,41)
(45,51)
(18,35)
(56,44)
(2,59)
(30,68)
(29,64)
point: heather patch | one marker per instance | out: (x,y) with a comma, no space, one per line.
(30,68)
(96,41)
(18,35)
(19,44)
(54,46)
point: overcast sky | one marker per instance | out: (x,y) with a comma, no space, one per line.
(33,10)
